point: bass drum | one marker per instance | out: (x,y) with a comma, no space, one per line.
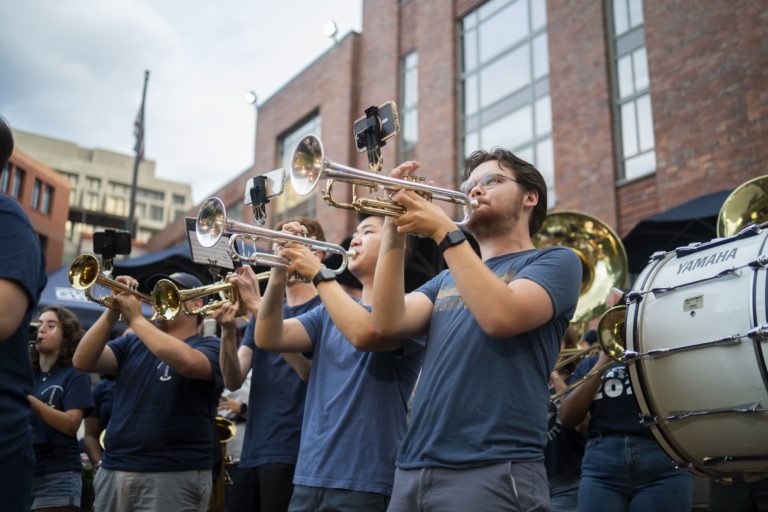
(697,322)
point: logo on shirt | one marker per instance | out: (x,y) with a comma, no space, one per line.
(449,298)
(614,383)
(166,374)
(49,394)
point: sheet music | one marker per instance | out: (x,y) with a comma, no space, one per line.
(218,255)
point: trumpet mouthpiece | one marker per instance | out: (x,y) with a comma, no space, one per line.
(351,254)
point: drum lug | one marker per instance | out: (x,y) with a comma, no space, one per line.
(759,333)
(760,262)
(634,297)
(658,255)
(648,421)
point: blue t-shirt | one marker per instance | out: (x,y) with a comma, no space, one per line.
(63,389)
(614,408)
(21,261)
(103,398)
(480,399)
(275,403)
(355,411)
(161,421)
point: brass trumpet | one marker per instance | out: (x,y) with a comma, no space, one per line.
(85,272)
(212,223)
(169,301)
(309,166)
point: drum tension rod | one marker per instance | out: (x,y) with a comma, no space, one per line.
(755,407)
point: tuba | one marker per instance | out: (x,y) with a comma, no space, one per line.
(602,254)
(746,205)
(309,166)
(85,272)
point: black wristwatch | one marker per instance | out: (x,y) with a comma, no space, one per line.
(452,238)
(324,274)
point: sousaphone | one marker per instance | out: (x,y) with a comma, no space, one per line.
(746,205)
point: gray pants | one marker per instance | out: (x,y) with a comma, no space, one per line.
(507,486)
(174,491)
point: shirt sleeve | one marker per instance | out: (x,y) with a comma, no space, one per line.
(77,394)
(120,347)
(22,260)
(431,287)
(558,271)
(210,347)
(313,321)
(248,340)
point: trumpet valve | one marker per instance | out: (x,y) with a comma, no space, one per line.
(419,179)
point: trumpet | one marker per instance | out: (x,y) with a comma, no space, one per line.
(169,301)
(85,272)
(212,223)
(309,166)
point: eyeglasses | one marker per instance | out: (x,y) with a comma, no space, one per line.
(488,181)
(50,325)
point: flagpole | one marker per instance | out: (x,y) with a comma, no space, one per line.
(139,149)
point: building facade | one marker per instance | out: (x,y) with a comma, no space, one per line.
(101,189)
(44,196)
(628,107)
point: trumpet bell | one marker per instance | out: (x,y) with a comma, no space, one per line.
(611,332)
(746,205)
(211,222)
(166,299)
(84,271)
(307,165)
(225,428)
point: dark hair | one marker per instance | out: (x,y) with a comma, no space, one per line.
(525,173)
(6,142)
(71,334)
(314,229)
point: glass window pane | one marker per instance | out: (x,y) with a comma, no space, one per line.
(538,14)
(470,50)
(645,122)
(640,165)
(469,21)
(628,129)
(471,143)
(510,131)
(543,116)
(625,76)
(470,95)
(640,61)
(540,56)
(526,153)
(545,160)
(635,13)
(620,21)
(503,29)
(409,122)
(505,76)
(488,8)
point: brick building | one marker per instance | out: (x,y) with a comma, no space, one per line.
(44,196)
(628,107)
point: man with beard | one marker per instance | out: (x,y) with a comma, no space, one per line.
(159,443)
(493,325)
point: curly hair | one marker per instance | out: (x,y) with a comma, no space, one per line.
(71,334)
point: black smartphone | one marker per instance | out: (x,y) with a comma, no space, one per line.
(110,242)
(272,182)
(387,121)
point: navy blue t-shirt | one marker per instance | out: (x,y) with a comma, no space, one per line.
(103,398)
(355,413)
(161,421)
(614,408)
(21,261)
(63,389)
(481,399)
(275,403)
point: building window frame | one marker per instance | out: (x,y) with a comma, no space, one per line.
(633,129)
(409,105)
(290,204)
(36,193)
(18,183)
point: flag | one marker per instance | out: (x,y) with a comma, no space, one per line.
(138,132)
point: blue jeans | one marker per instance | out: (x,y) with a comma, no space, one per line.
(631,473)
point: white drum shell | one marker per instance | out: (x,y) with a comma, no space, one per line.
(711,378)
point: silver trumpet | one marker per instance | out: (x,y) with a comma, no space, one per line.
(212,223)
(309,166)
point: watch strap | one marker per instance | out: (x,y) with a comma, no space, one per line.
(451,239)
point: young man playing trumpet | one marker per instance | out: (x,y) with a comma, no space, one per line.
(276,401)
(359,385)
(493,325)
(159,441)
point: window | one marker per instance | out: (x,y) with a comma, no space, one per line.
(505,83)
(119,189)
(156,213)
(18,183)
(178,199)
(5,178)
(117,205)
(635,142)
(93,184)
(289,203)
(409,114)
(36,194)
(91,201)
(45,207)
(150,194)
(73,179)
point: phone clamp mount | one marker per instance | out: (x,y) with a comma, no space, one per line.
(108,244)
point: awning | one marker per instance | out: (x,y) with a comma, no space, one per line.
(693,221)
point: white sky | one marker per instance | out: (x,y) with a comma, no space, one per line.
(73,70)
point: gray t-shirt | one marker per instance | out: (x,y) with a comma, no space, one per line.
(481,399)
